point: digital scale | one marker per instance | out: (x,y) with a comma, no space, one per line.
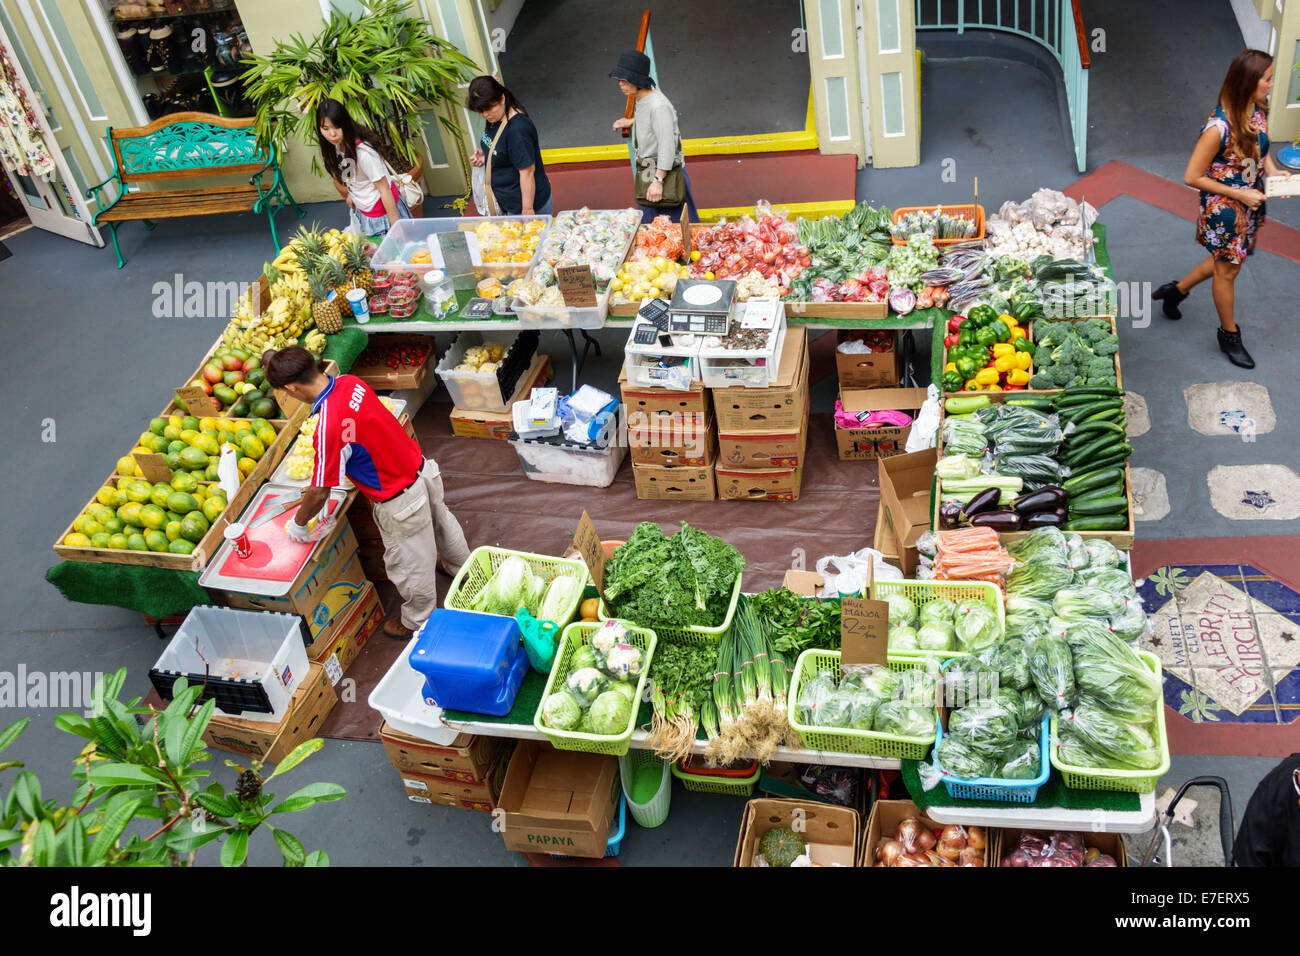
(702,306)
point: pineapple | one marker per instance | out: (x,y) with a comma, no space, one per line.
(311,248)
(358,265)
(332,272)
(324,310)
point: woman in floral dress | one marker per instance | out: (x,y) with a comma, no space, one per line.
(1228,167)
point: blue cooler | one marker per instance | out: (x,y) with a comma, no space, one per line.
(470,661)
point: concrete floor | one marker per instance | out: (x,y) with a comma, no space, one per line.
(727,65)
(87,353)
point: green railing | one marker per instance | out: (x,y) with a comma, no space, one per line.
(1055,24)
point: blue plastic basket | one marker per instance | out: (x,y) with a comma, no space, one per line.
(994,788)
(615,842)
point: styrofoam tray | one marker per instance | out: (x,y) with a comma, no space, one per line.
(399,696)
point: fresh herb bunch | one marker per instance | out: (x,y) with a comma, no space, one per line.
(684,671)
(797,623)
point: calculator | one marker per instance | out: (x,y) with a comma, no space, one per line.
(656,313)
(645,334)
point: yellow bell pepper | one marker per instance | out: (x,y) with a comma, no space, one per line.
(950,367)
(1023,360)
(987,376)
(1004,364)
(1017,377)
(995,387)
(1003,349)
(1010,320)
(1019,333)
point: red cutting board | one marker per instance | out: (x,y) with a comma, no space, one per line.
(275,557)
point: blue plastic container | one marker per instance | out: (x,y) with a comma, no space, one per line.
(470,661)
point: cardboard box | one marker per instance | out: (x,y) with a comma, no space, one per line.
(759,484)
(444,792)
(270,743)
(559,801)
(782,405)
(906,560)
(792,781)
(905,482)
(876,441)
(469,758)
(644,403)
(365,616)
(658,483)
(687,440)
(1109,843)
(867,370)
(832,832)
(404,377)
(763,447)
(473,423)
(883,823)
(323,594)
(803,583)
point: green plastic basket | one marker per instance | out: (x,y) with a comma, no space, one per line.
(1127,781)
(693,635)
(483,563)
(654,811)
(922,593)
(574,636)
(730,786)
(837,740)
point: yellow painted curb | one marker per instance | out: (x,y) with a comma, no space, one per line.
(808,210)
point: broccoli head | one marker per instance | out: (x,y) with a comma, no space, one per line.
(1107,346)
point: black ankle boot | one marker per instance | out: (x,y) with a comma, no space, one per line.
(1170,297)
(1230,343)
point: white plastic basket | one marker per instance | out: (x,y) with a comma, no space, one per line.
(399,696)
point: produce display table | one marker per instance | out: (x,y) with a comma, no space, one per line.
(1053,818)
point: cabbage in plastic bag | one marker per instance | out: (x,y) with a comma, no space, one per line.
(1022,763)
(903,638)
(938,611)
(936,637)
(561,711)
(835,709)
(874,679)
(900,719)
(918,686)
(960,759)
(1051,667)
(1076,551)
(813,695)
(902,610)
(1124,742)
(989,725)
(977,626)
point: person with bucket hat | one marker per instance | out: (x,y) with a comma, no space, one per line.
(661,183)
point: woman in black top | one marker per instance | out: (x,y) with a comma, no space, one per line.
(518,184)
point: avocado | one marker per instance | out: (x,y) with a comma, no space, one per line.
(265,408)
(239,409)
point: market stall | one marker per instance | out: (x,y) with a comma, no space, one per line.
(1010,524)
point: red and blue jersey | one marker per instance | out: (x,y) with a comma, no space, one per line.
(358,437)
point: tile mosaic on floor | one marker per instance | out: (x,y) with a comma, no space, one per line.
(1280,637)
(1242,694)
(1287,690)
(1273,595)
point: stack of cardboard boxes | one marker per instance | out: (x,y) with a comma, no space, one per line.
(468,773)
(672,441)
(763,432)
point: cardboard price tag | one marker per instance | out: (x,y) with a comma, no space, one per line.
(197,402)
(154,468)
(587,543)
(864,631)
(577,286)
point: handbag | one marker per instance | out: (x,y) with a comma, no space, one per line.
(674,184)
(412,193)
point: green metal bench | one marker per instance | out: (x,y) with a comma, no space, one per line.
(188,146)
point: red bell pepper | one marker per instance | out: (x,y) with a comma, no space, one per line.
(955,322)
(949,341)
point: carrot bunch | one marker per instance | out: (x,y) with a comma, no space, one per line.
(971,554)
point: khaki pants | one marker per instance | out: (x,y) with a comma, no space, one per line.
(414,525)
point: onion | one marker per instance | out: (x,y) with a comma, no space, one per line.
(888,852)
(970,857)
(1091,854)
(975,838)
(1104,859)
(926,840)
(954,835)
(937,860)
(1018,858)
(948,851)
(909,833)
(912,859)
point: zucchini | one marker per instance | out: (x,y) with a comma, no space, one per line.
(1097,523)
(1096,429)
(964,404)
(1101,390)
(1116,457)
(1077,413)
(1109,415)
(1037,402)
(1112,490)
(1083,453)
(1097,478)
(1113,505)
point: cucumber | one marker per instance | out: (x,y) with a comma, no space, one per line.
(1097,478)
(1037,402)
(1118,457)
(1113,505)
(1108,415)
(1096,429)
(1112,490)
(1070,396)
(1079,412)
(1086,452)
(1097,523)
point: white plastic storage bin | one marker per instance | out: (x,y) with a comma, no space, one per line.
(399,696)
(410,236)
(253,660)
(492,391)
(566,463)
(751,368)
(646,370)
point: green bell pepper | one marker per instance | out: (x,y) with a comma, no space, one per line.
(981,315)
(1001,330)
(952,381)
(967,334)
(967,367)
(1024,345)
(987,337)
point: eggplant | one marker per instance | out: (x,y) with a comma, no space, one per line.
(1052,517)
(1001,520)
(1051,496)
(986,499)
(950,514)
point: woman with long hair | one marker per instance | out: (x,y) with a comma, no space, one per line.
(1228,167)
(517,183)
(353,157)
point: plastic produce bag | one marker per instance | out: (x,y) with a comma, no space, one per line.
(1102,554)
(1076,551)
(958,758)
(926,425)
(936,637)
(813,695)
(586,685)
(1074,752)
(938,611)
(900,719)
(1072,604)
(918,686)
(964,435)
(902,610)
(1051,667)
(1010,658)
(874,679)
(1040,576)
(848,573)
(1049,540)
(1131,623)
(1109,671)
(977,627)
(903,638)
(1022,763)
(835,710)
(1124,742)
(989,725)
(966,680)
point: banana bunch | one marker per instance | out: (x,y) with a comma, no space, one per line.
(291,285)
(314,342)
(286,262)
(335,243)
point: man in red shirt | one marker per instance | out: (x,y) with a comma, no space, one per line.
(357,437)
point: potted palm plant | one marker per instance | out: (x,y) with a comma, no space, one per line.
(385,66)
